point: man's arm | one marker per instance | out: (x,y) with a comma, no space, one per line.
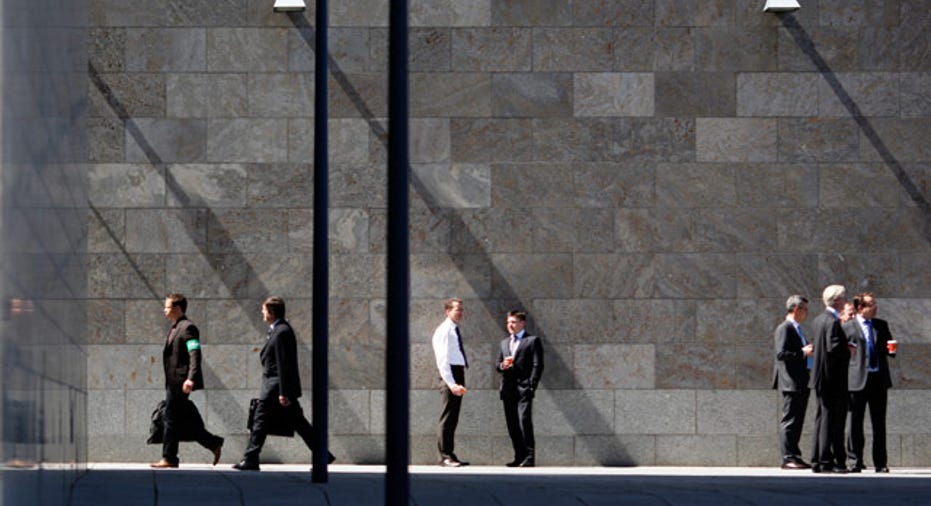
(191,341)
(286,356)
(536,371)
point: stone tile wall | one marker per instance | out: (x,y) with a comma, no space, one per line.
(649,179)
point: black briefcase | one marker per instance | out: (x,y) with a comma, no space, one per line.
(275,420)
(191,423)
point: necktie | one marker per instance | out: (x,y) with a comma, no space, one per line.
(513,344)
(461,349)
(808,361)
(871,343)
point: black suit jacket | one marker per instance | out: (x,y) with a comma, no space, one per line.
(790,371)
(180,363)
(523,377)
(830,357)
(281,375)
(857,372)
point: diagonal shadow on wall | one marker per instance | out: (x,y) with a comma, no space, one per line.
(508,297)
(220,266)
(807,46)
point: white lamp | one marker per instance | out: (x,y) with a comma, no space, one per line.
(289,5)
(781,6)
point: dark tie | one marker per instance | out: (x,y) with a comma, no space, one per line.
(871,342)
(461,349)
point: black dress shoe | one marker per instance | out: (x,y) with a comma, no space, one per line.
(791,464)
(330,458)
(449,462)
(527,463)
(513,463)
(839,470)
(853,469)
(245,465)
(816,468)
(882,469)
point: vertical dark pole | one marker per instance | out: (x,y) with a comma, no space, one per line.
(397,370)
(321,289)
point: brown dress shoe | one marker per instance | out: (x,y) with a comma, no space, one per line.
(163,464)
(216,451)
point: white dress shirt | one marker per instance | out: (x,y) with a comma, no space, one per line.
(446,349)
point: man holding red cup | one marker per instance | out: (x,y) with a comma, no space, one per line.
(868,381)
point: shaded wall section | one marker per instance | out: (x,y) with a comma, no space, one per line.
(649,179)
(43,228)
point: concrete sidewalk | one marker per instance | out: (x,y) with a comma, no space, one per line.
(287,485)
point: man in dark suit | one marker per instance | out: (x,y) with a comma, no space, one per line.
(181,359)
(868,382)
(790,376)
(281,386)
(520,362)
(830,358)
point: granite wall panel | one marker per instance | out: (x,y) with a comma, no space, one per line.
(649,179)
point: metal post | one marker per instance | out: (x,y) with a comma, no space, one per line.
(321,289)
(397,370)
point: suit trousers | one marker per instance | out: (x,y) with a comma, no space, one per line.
(175,411)
(449,414)
(294,416)
(794,405)
(828,448)
(875,396)
(518,413)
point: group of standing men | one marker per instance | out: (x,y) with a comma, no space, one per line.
(845,362)
(520,363)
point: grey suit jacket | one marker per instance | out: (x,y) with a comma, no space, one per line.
(790,371)
(857,372)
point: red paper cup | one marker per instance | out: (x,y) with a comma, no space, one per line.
(892,346)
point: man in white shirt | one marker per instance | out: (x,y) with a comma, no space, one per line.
(451,362)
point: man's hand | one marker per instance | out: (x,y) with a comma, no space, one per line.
(458,390)
(283,401)
(188,386)
(807,350)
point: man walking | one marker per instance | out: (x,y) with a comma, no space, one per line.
(520,362)
(281,386)
(868,381)
(452,363)
(181,358)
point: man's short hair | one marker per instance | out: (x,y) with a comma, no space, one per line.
(860,298)
(177,299)
(275,306)
(517,313)
(449,304)
(795,301)
(832,293)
